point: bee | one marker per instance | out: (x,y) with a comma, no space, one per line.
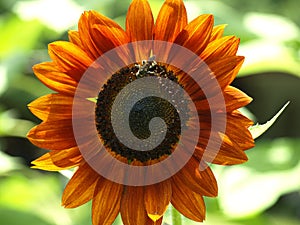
(146,67)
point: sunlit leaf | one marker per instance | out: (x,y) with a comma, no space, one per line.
(247,190)
(8,163)
(37,197)
(172,216)
(17,217)
(261,55)
(246,112)
(270,26)
(63,19)
(276,155)
(67,173)
(17,35)
(269,51)
(3,79)
(118,220)
(218,218)
(11,126)
(259,129)
(93,99)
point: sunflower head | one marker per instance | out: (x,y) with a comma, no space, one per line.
(163,110)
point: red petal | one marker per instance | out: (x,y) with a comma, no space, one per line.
(196,34)
(171,19)
(49,74)
(187,202)
(133,207)
(220,48)
(54,135)
(106,202)
(52,106)
(80,189)
(142,28)
(157,198)
(217,32)
(69,58)
(202,182)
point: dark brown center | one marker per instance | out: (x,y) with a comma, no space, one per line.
(141,113)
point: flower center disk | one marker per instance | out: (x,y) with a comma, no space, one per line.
(143,112)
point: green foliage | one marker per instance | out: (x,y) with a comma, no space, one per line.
(272,171)
(13,33)
(248,193)
(259,129)
(31,197)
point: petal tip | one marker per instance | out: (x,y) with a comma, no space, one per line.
(154,217)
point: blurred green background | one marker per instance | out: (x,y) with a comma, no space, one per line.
(263,191)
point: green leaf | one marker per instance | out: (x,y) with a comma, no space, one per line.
(67,173)
(176,217)
(244,192)
(18,35)
(173,217)
(93,99)
(8,163)
(261,55)
(36,197)
(259,129)
(118,220)
(3,79)
(17,217)
(271,26)
(279,154)
(35,10)
(249,189)
(11,126)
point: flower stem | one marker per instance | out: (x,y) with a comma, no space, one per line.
(176,217)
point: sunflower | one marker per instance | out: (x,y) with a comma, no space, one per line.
(80,133)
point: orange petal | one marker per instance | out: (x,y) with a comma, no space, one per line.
(201,182)
(243,120)
(133,207)
(172,18)
(196,34)
(187,202)
(106,202)
(244,141)
(75,38)
(158,222)
(54,135)
(106,33)
(211,104)
(69,58)
(80,188)
(232,97)
(237,130)
(157,198)
(66,158)
(55,106)
(217,32)
(235,98)
(192,87)
(142,28)
(221,150)
(46,162)
(49,74)
(220,48)
(84,26)
(226,70)
(139,21)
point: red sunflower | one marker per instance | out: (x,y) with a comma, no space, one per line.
(98,35)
